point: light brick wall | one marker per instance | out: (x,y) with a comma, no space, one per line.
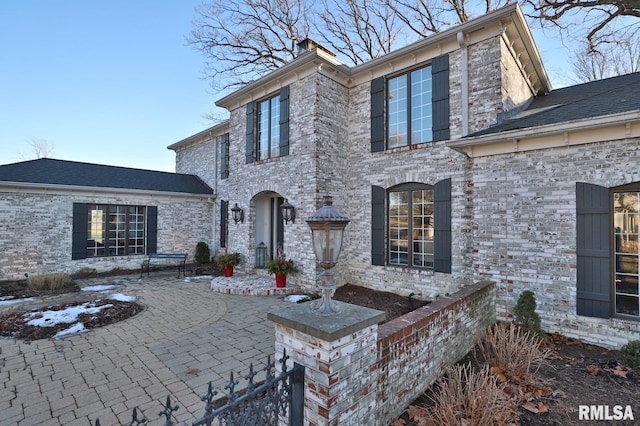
(368,374)
(37,230)
(201,159)
(525,208)
(314,167)
(340,376)
(414,349)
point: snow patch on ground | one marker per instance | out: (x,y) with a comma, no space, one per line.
(199,277)
(104,287)
(10,300)
(77,328)
(119,297)
(63,316)
(297,298)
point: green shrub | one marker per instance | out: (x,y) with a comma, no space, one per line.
(525,312)
(630,355)
(203,255)
(50,282)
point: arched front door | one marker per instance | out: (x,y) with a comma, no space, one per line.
(269,225)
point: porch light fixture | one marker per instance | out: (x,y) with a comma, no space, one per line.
(288,212)
(237,213)
(327,229)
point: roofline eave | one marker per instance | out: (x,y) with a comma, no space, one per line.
(49,187)
(592,123)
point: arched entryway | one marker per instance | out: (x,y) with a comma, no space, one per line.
(269,223)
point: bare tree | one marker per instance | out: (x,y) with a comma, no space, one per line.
(40,148)
(241,40)
(244,39)
(359,30)
(603,20)
(609,60)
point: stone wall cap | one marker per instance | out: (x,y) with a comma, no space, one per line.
(351,319)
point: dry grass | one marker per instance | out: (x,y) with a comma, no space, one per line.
(467,397)
(514,354)
(50,282)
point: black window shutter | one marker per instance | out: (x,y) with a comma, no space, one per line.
(593,246)
(224,211)
(224,156)
(284,121)
(152,229)
(377,114)
(249,141)
(378,202)
(440,97)
(442,226)
(80,231)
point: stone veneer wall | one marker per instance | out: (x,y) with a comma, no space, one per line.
(37,233)
(425,163)
(414,349)
(317,131)
(525,208)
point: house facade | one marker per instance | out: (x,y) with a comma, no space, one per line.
(64,216)
(433,154)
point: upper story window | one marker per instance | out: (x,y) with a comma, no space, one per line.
(224,156)
(267,127)
(411,108)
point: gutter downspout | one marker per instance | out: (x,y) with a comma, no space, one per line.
(464,83)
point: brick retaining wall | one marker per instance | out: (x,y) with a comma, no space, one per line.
(414,349)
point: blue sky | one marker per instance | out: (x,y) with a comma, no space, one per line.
(111,82)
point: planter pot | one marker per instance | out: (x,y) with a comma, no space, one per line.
(281,280)
(228,271)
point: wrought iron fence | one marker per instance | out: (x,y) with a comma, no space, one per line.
(258,404)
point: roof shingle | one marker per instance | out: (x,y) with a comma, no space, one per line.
(48,171)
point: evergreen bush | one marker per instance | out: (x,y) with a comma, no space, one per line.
(630,355)
(203,255)
(525,312)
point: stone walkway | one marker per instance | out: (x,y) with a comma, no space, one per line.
(187,336)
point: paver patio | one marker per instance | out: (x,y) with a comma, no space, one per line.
(187,336)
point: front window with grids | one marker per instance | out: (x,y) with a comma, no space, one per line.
(410,224)
(626,222)
(115,230)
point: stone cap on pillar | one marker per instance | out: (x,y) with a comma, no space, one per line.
(351,319)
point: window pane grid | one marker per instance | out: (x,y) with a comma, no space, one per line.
(96,231)
(410,229)
(136,230)
(269,128)
(626,217)
(115,230)
(409,108)
(397,111)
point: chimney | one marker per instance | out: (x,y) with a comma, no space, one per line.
(307,45)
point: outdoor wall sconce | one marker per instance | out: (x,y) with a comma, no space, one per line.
(288,212)
(237,213)
(327,229)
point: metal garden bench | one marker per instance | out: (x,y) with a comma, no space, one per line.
(164,260)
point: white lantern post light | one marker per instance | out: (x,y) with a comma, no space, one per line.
(327,229)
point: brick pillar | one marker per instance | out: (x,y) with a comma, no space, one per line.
(339,353)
